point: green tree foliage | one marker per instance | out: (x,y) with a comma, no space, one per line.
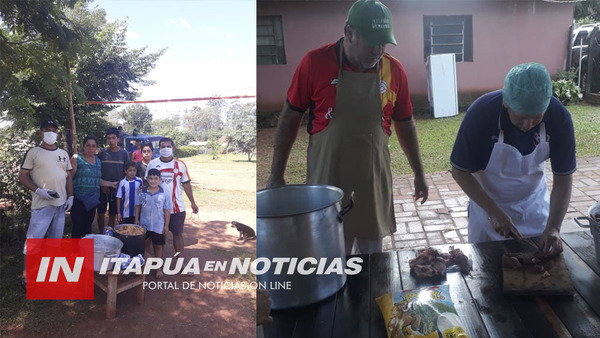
(202,121)
(172,122)
(34,56)
(37,41)
(138,117)
(219,106)
(242,129)
(587,12)
(214,145)
(220,120)
(33,82)
(10,162)
(44,20)
(186,151)
(111,70)
(171,128)
(180,137)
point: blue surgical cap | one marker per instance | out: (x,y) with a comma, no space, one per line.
(527,89)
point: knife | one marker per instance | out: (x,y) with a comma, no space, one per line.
(524,239)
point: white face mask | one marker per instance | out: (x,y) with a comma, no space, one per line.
(166,152)
(50,137)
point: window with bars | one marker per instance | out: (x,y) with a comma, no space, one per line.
(269,41)
(449,34)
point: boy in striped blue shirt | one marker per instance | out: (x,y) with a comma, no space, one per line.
(127,192)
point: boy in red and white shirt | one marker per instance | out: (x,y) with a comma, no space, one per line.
(175,180)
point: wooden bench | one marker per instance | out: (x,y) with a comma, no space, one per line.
(115,283)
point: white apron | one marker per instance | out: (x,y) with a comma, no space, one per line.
(518,185)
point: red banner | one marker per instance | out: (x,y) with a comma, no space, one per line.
(175,100)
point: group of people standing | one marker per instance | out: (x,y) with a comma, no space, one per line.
(95,181)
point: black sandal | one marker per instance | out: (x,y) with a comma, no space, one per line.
(24,283)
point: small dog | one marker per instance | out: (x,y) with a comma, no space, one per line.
(246,232)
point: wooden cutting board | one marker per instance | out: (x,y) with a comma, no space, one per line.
(523,281)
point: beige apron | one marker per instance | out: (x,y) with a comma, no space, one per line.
(352,154)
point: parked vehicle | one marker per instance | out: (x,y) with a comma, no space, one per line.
(580,42)
(128,142)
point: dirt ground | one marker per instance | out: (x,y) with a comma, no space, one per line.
(176,313)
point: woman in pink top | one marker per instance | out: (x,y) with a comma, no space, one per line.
(136,156)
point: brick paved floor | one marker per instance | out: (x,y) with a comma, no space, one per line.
(443,218)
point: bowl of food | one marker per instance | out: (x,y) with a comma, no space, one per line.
(133,237)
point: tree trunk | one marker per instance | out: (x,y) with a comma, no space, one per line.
(68,140)
(71,111)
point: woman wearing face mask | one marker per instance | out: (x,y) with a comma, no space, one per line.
(86,187)
(147,152)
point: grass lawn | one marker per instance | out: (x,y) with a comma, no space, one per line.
(436,138)
(224,184)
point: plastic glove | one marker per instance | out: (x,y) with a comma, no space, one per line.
(69,203)
(44,193)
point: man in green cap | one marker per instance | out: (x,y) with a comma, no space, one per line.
(499,159)
(354,93)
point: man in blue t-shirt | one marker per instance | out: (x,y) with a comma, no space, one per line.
(499,160)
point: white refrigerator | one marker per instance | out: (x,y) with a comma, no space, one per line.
(442,93)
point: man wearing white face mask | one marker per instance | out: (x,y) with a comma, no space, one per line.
(46,171)
(175,180)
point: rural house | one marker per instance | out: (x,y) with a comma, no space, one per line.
(488,37)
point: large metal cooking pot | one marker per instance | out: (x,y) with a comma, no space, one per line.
(301,221)
(593,225)
(105,247)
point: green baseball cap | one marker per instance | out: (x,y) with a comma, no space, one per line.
(373,21)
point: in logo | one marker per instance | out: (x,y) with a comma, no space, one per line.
(60,269)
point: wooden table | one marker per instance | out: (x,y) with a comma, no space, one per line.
(115,283)
(478,298)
